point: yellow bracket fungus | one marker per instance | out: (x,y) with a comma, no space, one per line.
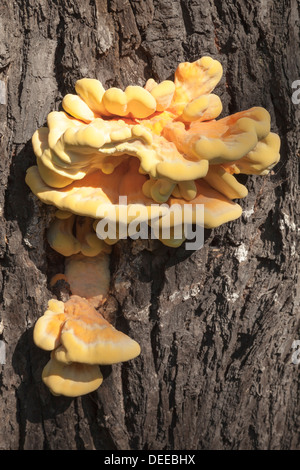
(158,146)
(80,339)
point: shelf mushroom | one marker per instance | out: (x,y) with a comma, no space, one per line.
(80,339)
(157,148)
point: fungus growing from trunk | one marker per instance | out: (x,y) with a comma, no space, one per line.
(79,338)
(154,147)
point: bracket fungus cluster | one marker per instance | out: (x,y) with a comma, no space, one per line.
(158,145)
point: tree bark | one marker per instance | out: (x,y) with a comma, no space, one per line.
(216,326)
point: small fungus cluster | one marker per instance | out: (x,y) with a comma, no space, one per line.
(161,144)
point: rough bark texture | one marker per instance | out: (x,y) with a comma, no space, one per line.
(216,326)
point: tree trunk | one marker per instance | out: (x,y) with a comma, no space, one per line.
(216,326)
